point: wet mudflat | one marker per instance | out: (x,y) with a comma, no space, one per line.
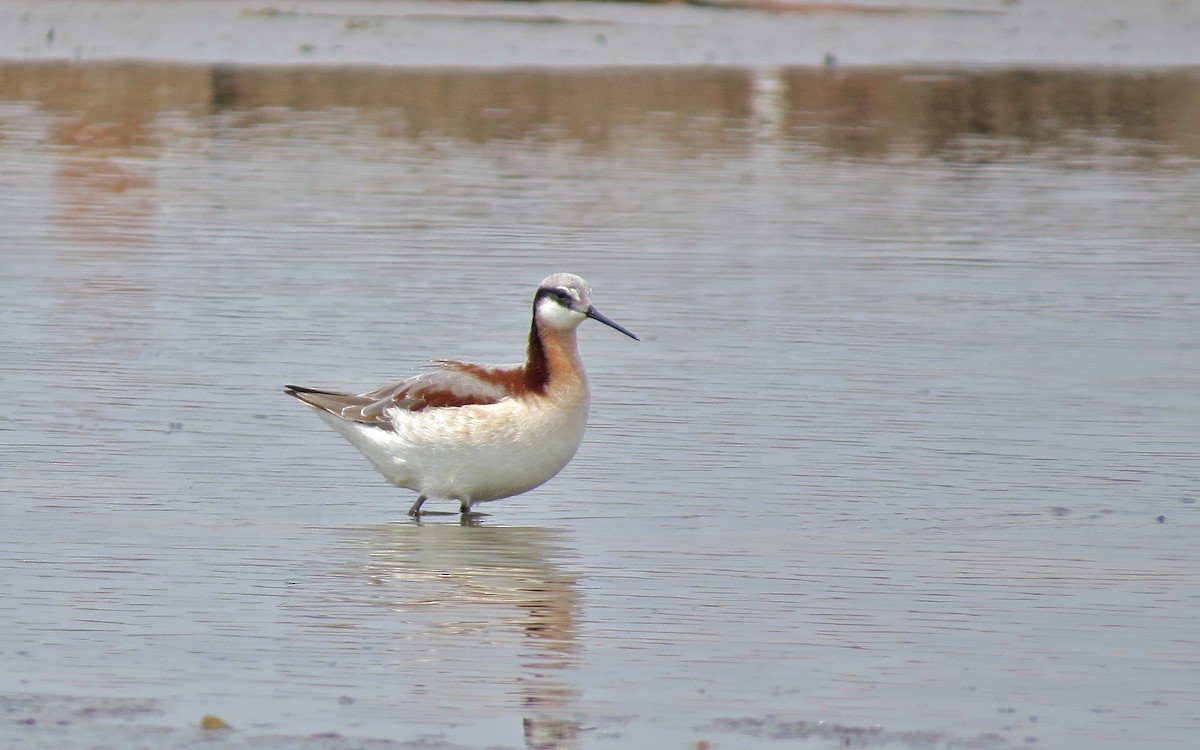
(474,34)
(907,456)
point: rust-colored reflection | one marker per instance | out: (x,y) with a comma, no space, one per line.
(102,129)
(501,585)
(103,200)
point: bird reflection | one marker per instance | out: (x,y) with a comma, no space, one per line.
(489,584)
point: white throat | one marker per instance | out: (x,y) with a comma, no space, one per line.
(554,315)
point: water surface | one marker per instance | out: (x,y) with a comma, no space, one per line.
(907,455)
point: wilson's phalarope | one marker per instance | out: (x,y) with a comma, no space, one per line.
(475,433)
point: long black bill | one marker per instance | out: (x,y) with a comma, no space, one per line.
(595,314)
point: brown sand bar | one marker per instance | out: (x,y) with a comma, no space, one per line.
(1111,33)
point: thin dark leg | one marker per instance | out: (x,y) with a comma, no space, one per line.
(464,507)
(415,510)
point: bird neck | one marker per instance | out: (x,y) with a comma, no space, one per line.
(552,358)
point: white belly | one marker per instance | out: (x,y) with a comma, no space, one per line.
(472,453)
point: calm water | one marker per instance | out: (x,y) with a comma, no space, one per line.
(909,454)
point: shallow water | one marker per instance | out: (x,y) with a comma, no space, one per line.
(907,457)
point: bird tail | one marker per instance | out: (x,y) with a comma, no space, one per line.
(345,405)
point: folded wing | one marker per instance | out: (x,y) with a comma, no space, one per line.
(453,384)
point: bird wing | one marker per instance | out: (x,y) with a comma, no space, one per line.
(452,384)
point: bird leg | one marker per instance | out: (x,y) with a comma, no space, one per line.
(415,510)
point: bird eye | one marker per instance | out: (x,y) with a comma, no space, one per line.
(563,296)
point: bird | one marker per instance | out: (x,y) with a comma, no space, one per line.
(476,433)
